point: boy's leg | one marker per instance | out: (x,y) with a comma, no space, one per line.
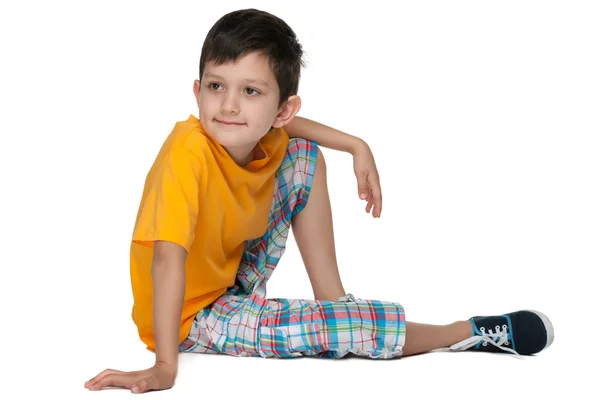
(313,231)
(295,327)
(421,338)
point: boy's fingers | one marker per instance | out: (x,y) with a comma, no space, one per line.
(363,192)
(100,376)
(377,208)
(369,203)
(106,380)
(363,187)
(118,379)
(377,198)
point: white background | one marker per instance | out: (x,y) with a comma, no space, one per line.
(484,121)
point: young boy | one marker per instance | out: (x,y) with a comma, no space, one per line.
(214,216)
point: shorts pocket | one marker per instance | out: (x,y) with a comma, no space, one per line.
(290,341)
(274,342)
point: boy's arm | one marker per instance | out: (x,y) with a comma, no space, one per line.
(324,135)
(367,176)
(168,281)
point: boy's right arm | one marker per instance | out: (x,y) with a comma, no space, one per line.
(168,280)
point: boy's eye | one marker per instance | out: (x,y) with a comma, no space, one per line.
(214,85)
(252,92)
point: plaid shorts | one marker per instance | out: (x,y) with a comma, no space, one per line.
(243,322)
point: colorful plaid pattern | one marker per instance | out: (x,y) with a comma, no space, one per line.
(243,322)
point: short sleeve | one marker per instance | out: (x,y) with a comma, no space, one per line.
(169,207)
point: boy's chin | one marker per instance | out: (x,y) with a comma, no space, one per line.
(231,142)
(233,139)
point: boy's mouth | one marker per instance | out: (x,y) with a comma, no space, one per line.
(229,122)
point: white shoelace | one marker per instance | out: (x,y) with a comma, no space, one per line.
(497,339)
(348,297)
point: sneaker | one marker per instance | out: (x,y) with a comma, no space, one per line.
(522,332)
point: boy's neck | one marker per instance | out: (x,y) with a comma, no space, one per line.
(243,155)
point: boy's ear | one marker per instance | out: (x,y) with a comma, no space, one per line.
(197,90)
(287,111)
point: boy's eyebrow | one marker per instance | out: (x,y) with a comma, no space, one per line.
(259,81)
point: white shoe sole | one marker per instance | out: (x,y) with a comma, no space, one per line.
(548,326)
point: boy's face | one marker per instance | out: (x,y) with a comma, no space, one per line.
(238,103)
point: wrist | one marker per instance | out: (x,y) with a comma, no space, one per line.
(165,365)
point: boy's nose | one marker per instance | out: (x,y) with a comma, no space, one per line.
(230,105)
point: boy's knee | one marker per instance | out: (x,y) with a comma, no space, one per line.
(300,142)
(296,172)
(303,158)
(304,150)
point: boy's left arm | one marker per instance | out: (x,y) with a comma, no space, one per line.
(365,169)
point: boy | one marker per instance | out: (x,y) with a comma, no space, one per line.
(214,216)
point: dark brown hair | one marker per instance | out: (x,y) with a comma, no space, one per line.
(244,31)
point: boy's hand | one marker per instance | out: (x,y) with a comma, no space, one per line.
(368,178)
(161,376)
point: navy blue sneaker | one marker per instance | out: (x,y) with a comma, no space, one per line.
(522,332)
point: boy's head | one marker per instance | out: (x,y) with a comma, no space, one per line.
(249,76)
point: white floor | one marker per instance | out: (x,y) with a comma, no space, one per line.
(61,366)
(552,374)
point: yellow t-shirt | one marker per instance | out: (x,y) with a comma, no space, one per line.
(197,196)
